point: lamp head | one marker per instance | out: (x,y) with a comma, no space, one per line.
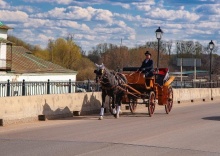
(159,33)
(211,45)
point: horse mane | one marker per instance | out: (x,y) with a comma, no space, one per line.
(111,77)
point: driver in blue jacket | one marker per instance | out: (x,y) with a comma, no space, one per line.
(147,65)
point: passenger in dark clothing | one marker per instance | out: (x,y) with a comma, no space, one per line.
(147,65)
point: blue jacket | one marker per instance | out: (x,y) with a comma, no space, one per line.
(147,67)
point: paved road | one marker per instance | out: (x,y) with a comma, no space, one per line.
(190,129)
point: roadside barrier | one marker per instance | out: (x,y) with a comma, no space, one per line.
(51,106)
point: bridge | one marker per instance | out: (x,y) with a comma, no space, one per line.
(190,129)
(41,107)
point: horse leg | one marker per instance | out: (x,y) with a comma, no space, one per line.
(113,105)
(102,107)
(118,100)
(118,110)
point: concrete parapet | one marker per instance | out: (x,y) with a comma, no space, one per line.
(44,107)
(195,94)
(23,108)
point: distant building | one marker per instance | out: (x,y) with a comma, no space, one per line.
(18,64)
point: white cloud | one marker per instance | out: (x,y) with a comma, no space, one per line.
(121,24)
(173,15)
(174,26)
(88,37)
(144,6)
(54,13)
(209,25)
(197,31)
(208,9)
(102,15)
(23,8)
(73,13)
(51,24)
(17,16)
(43,37)
(48,31)
(123,5)
(27,31)
(182,7)
(132,37)
(77,13)
(3,4)
(72,24)
(129,17)
(144,2)
(214,18)
(36,23)
(65,2)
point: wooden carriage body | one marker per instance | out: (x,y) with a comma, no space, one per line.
(142,86)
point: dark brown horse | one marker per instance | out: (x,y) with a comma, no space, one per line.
(112,86)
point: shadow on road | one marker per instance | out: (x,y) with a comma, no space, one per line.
(109,116)
(216,118)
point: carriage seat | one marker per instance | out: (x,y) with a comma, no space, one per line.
(161,75)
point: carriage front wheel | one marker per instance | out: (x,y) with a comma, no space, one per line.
(151,103)
(169,103)
(132,105)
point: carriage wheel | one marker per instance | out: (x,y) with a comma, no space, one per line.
(151,105)
(169,104)
(133,105)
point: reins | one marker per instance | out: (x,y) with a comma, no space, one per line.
(137,79)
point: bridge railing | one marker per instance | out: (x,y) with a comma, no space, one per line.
(195,84)
(50,87)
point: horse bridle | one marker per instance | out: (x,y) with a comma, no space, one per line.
(100,75)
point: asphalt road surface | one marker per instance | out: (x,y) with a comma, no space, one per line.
(190,129)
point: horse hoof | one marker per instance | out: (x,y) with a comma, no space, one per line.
(101,117)
(116,116)
(114,111)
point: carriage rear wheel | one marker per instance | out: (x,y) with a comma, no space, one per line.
(151,103)
(169,104)
(133,105)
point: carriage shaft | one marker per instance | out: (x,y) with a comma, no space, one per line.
(127,91)
(132,89)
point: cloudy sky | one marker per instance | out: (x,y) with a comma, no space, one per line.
(91,22)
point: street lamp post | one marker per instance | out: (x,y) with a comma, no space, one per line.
(211,47)
(159,34)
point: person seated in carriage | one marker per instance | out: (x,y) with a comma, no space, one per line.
(147,66)
(149,71)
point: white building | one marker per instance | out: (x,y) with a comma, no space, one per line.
(18,64)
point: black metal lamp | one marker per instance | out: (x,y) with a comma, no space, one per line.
(159,34)
(211,47)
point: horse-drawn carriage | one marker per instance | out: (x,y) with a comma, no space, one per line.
(132,88)
(148,90)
